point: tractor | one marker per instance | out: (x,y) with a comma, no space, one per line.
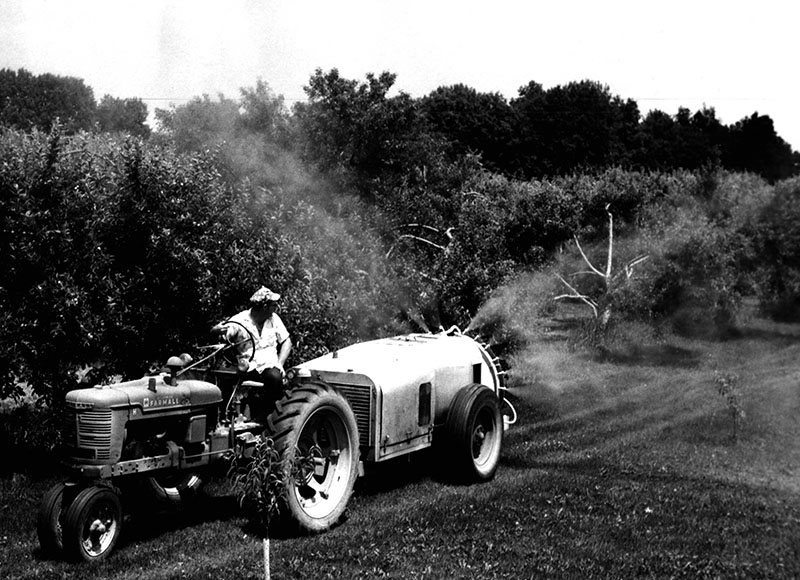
(153,440)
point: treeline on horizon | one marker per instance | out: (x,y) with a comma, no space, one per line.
(372,213)
(579,126)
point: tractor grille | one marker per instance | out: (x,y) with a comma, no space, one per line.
(360,399)
(90,431)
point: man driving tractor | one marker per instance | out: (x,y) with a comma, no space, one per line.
(263,344)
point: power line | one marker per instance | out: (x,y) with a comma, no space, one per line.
(185,99)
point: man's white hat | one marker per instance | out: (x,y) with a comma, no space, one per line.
(264,295)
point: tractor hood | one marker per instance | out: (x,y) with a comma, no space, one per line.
(148,393)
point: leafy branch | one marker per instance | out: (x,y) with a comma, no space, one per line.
(261,482)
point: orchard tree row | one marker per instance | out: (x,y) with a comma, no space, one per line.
(119,250)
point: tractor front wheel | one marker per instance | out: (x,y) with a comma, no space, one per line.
(92,524)
(474,433)
(50,520)
(315,433)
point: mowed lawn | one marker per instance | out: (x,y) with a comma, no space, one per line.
(621,467)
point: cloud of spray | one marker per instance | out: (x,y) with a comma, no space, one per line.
(513,315)
(340,249)
(528,328)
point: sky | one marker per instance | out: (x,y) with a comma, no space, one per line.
(736,57)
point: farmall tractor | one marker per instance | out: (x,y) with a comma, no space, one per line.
(153,440)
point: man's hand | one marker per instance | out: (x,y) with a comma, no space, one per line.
(220,331)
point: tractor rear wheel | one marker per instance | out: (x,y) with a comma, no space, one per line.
(315,432)
(50,520)
(92,524)
(474,433)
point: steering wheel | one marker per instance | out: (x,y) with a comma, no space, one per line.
(250,338)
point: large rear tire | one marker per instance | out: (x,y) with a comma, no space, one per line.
(474,434)
(92,524)
(314,431)
(50,520)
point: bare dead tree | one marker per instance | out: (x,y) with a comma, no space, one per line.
(601,307)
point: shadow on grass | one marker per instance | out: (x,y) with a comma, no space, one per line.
(782,334)
(657,355)
(397,473)
(149,524)
(603,475)
(619,429)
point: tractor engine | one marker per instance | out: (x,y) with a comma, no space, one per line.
(109,424)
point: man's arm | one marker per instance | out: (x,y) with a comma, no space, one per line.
(227,332)
(234,335)
(284,349)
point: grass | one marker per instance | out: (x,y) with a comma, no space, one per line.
(620,467)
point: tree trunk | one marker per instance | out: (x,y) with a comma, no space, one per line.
(266,557)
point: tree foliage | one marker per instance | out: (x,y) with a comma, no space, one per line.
(755,146)
(575,126)
(471,122)
(684,141)
(776,234)
(364,137)
(123,115)
(200,124)
(356,133)
(117,253)
(264,112)
(30,101)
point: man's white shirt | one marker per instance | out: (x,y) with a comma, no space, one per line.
(266,348)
